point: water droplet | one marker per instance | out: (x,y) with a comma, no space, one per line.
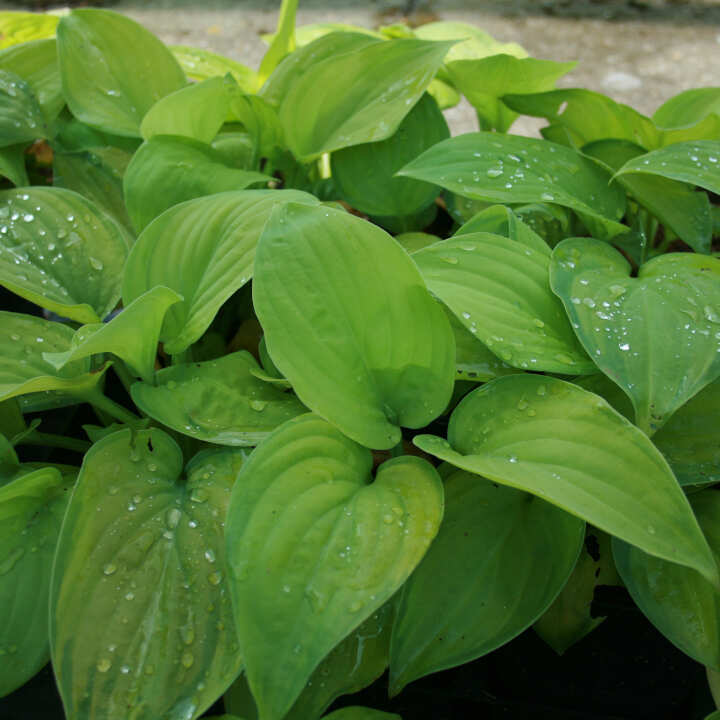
(512,459)
(494,172)
(95,263)
(651,529)
(199,495)
(172,518)
(617,290)
(210,556)
(187,659)
(215,578)
(538,323)
(258,405)
(711,314)
(103,665)
(387,519)
(355,606)
(109,569)
(547,197)
(449,259)
(624,346)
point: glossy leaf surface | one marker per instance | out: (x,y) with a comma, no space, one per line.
(204,250)
(31,510)
(201,64)
(657,335)
(471,42)
(499,560)
(21,119)
(357,97)
(315,548)
(557,441)
(105,85)
(681,604)
(60,252)
(141,579)
(324,283)
(688,107)
(166,171)
(132,335)
(219,401)
(500,292)
(12,164)
(513,169)
(20,27)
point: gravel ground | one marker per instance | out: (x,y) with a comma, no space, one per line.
(639,52)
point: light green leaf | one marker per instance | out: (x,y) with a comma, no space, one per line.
(569,618)
(356,712)
(261,122)
(514,169)
(500,292)
(315,548)
(446,96)
(569,447)
(499,560)
(681,604)
(139,579)
(21,27)
(105,85)
(197,111)
(474,42)
(657,335)
(219,401)
(21,118)
(132,335)
(31,510)
(695,163)
(36,63)
(166,171)
(283,41)
(688,108)
(349,322)
(12,164)
(485,81)
(414,241)
(363,174)
(96,174)
(203,249)
(200,64)
(61,252)
(358,97)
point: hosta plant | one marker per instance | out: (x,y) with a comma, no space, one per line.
(297,388)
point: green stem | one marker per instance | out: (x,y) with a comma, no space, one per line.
(56,441)
(115,410)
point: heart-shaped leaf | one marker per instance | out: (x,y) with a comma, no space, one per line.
(314,548)
(197,111)
(569,447)
(325,282)
(219,401)
(499,560)
(681,604)
(31,510)
(21,119)
(105,85)
(166,171)
(363,174)
(200,64)
(514,169)
(658,335)
(61,252)
(500,292)
(358,97)
(139,578)
(695,163)
(132,335)
(203,249)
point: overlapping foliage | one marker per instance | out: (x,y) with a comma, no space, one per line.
(362,389)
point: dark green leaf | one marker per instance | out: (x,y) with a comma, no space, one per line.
(21,119)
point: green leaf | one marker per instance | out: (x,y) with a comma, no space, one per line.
(324,283)
(21,119)
(587,116)
(203,249)
(500,292)
(31,510)
(197,111)
(688,108)
(72,135)
(485,81)
(97,174)
(695,163)
(261,121)
(688,438)
(657,335)
(22,366)
(200,64)
(12,164)
(61,252)
(681,604)
(569,618)
(219,401)
(21,27)
(132,335)
(139,581)
(315,548)
(473,44)
(358,97)
(414,241)
(283,41)
(166,171)
(499,560)
(105,85)
(356,712)
(36,63)
(514,169)
(363,174)
(569,447)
